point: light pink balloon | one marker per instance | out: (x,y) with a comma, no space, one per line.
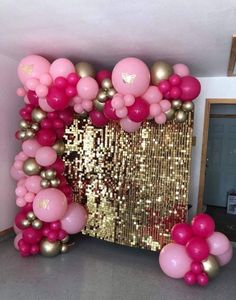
(75,218)
(122,112)
(218,243)
(165,105)
(87,105)
(26,100)
(32,83)
(174,260)
(30,147)
(129,100)
(50,205)
(160,119)
(16,229)
(22,155)
(16,174)
(155,109)
(152,95)
(78,108)
(181,70)
(131,76)
(32,184)
(16,240)
(32,66)
(87,88)
(20,202)
(46,79)
(20,191)
(128,125)
(44,105)
(21,181)
(18,164)
(61,67)
(21,92)
(41,90)
(226,257)
(29,197)
(117,102)
(46,156)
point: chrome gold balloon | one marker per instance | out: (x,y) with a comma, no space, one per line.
(65,240)
(111,93)
(176,104)
(30,167)
(59,147)
(98,105)
(43,174)
(160,70)
(170,114)
(37,224)
(22,134)
(25,223)
(50,174)
(211,266)
(31,216)
(38,115)
(180,116)
(84,69)
(83,115)
(45,183)
(106,83)
(24,124)
(49,249)
(29,133)
(64,248)
(35,127)
(102,96)
(188,106)
(54,182)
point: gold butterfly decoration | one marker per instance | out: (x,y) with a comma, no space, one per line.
(128,78)
(27,69)
(43,203)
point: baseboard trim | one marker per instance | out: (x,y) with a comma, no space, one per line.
(5,234)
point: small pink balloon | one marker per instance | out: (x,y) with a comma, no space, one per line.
(22,155)
(87,88)
(20,191)
(190,278)
(21,92)
(129,100)
(32,83)
(41,90)
(20,202)
(75,218)
(160,119)
(61,67)
(78,108)
(16,240)
(155,109)
(32,184)
(175,92)
(26,100)
(165,105)
(87,105)
(46,79)
(128,125)
(44,105)
(29,197)
(175,80)
(16,229)
(16,174)
(117,102)
(218,243)
(152,95)
(181,70)
(77,99)
(18,164)
(122,112)
(131,76)
(46,156)
(30,147)
(226,257)
(164,86)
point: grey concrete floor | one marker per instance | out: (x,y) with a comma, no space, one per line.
(96,270)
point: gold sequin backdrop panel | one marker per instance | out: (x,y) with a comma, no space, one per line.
(135,185)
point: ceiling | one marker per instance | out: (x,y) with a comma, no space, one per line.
(197,33)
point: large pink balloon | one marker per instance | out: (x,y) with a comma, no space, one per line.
(128,125)
(174,260)
(131,76)
(225,258)
(45,156)
(32,66)
(61,67)
(32,184)
(218,243)
(30,147)
(152,95)
(75,218)
(87,88)
(50,205)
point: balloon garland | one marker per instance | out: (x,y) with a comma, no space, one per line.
(197,252)
(53,93)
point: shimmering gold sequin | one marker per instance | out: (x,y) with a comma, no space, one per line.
(135,185)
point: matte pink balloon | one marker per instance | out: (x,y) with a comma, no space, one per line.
(75,218)
(190,88)
(131,76)
(32,184)
(41,90)
(117,101)
(44,105)
(139,111)
(155,109)
(46,79)
(165,105)
(32,83)
(109,111)
(128,125)
(20,202)
(181,70)
(30,147)
(21,92)
(174,260)
(29,197)
(16,174)
(98,118)
(152,95)
(32,66)
(33,98)
(61,67)
(87,88)
(16,240)
(122,112)
(129,100)
(226,257)
(50,205)
(160,119)
(45,156)
(218,243)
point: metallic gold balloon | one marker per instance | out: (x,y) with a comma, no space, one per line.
(111,92)
(22,134)
(37,224)
(84,69)
(38,115)
(176,104)
(106,83)
(30,167)
(64,248)
(54,182)
(25,223)
(24,124)
(98,105)
(211,266)
(29,133)
(49,249)
(160,70)
(180,116)
(65,240)
(59,147)
(102,96)
(50,174)
(188,106)
(35,127)
(83,115)
(170,114)
(43,174)
(45,183)
(31,216)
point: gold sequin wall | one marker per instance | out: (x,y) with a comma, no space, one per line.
(135,185)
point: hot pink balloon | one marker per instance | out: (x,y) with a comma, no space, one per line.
(103,74)
(45,156)
(181,70)
(109,111)
(44,105)
(226,257)
(16,240)
(152,95)
(128,125)
(31,235)
(32,184)
(218,243)
(57,99)
(131,76)
(16,229)
(190,88)
(33,98)
(87,88)
(50,205)
(98,118)
(203,225)
(181,233)
(30,147)
(32,66)
(139,111)
(174,260)
(75,218)
(61,67)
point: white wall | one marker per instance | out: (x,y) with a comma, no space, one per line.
(212,87)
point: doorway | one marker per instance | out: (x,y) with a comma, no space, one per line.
(217,190)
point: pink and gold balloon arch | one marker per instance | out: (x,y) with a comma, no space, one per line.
(54,93)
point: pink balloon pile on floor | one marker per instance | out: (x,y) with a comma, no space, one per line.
(197,252)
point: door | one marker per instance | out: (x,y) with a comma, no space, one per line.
(221,161)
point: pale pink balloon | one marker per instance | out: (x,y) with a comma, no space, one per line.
(26,100)
(75,218)
(174,260)
(165,105)
(29,197)
(41,90)
(30,147)
(22,155)
(78,108)
(20,202)
(87,88)
(226,257)
(61,67)
(87,105)
(16,240)
(44,105)
(128,125)
(20,191)
(21,92)
(77,99)
(218,243)
(16,174)
(117,102)
(46,156)
(16,229)
(152,95)
(131,76)
(32,83)
(155,109)
(21,181)
(18,164)
(32,66)
(32,184)
(129,100)
(160,119)
(50,205)
(122,112)
(181,70)
(46,79)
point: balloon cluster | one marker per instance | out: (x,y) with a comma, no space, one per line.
(197,252)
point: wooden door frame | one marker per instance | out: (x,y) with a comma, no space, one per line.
(204,146)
